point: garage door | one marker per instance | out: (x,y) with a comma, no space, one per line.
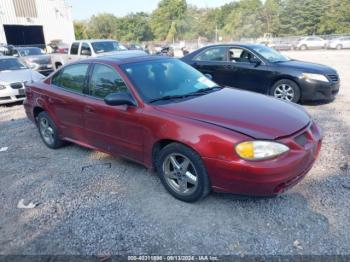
(24,35)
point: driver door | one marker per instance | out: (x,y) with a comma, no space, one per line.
(247,71)
(114,129)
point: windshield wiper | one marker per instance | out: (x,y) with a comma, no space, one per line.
(164,98)
(205,90)
(196,93)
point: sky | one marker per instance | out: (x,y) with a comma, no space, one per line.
(83,9)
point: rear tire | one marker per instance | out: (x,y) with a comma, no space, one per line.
(339,47)
(48,131)
(182,172)
(286,90)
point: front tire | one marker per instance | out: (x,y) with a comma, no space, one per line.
(303,47)
(48,131)
(182,172)
(286,90)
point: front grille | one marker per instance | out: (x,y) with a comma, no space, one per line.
(301,140)
(5,98)
(17,85)
(21,96)
(334,78)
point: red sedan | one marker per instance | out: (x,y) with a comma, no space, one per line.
(164,114)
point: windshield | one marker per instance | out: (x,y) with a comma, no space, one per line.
(30,51)
(163,78)
(108,46)
(270,54)
(11,64)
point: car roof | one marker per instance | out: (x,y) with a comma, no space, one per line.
(95,40)
(244,45)
(128,58)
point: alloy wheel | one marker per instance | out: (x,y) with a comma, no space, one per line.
(284,92)
(180,174)
(47,131)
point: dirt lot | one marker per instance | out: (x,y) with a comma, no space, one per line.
(113,206)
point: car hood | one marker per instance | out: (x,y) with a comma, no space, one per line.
(255,115)
(126,53)
(39,59)
(24,75)
(308,67)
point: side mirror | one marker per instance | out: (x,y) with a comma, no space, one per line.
(119,99)
(209,76)
(255,61)
(86,52)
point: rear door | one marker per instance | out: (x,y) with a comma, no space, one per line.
(115,129)
(66,100)
(213,61)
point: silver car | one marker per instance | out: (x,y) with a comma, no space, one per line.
(339,43)
(13,76)
(34,58)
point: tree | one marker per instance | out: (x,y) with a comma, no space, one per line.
(168,11)
(301,17)
(245,20)
(134,28)
(336,19)
(103,26)
(270,16)
(80,30)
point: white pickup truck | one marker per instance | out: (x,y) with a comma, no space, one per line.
(83,49)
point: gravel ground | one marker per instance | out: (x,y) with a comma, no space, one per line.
(113,206)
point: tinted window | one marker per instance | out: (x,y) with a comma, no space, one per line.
(74,49)
(105,80)
(212,54)
(72,77)
(85,47)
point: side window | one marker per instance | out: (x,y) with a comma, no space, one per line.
(74,49)
(239,55)
(72,77)
(85,49)
(105,80)
(212,54)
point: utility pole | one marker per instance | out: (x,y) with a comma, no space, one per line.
(216,34)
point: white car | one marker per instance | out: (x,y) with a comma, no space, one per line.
(311,42)
(13,76)
(83,49)
(339,43)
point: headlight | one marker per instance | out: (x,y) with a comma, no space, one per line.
(2,87)
(317,77)
(32,65)
(260,150)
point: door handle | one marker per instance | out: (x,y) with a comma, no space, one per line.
(89,109)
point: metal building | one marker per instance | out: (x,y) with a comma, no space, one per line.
(35,22)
